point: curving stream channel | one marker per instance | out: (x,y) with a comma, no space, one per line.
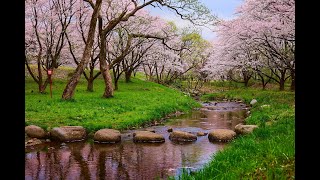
(129,160)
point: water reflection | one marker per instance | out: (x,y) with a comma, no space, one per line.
(128,160)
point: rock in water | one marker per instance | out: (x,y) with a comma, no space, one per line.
(107,136)
(147,136)
(35,131)
(151,130)
(223,135)
(33,142)
(201,133)
(182,136)
(68,133)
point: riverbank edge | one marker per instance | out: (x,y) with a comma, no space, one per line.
(267,153)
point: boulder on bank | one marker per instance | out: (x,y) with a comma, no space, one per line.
(147,136)
(253,101)
(182,136)
(68,133)
(224,135)
(35,131)
(107,136)
(244,129)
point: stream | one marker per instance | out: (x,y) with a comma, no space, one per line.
(138,161)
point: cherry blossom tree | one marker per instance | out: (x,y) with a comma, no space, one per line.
(76,38)
(114,12)
(46,24)
(261,37)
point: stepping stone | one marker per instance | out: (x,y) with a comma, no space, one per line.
(68,133)
(33,142)
(35,131)
(147,136)
(182,136)
(107,136)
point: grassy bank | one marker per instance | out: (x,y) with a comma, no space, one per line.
(267,153)
(132,105)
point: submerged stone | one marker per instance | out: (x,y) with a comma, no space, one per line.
(150,130)
(201,133)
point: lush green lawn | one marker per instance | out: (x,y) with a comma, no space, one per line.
(267,153)
(132,105)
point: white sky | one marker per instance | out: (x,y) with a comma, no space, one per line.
(224,9)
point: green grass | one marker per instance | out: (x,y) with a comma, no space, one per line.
(267,153)
(133,105)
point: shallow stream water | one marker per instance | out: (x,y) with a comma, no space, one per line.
(137,161)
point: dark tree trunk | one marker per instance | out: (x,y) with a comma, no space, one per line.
(282,80)
(246,77)
(281,87)
(116,84)
(115,75)
(246,82)
(90,80)
(71,86)
(128,75)
(90,85)
(40,81)
(293,81)
(262,81)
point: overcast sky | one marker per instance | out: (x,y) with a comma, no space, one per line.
(224,9)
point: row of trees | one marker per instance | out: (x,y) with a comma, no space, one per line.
(259,43)
(123,37)
(117,35)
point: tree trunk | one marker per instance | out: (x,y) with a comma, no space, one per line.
(262,81)
(40,81)
(128,75)
(108,92)
(293,81)
(104,68)
(116,84)
(246,82)
(90,85)
(115,75)
(281,83)
(282,80)
(90,80)
(71,86)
